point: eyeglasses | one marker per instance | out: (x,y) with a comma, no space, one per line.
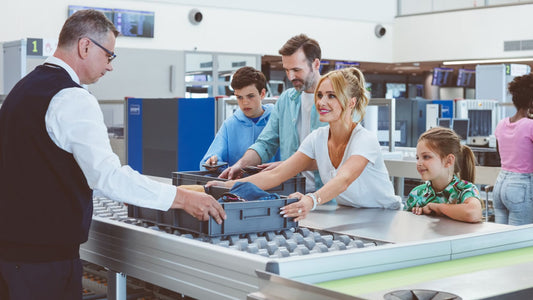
(111,54)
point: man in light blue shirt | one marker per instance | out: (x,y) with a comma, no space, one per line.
(294,115)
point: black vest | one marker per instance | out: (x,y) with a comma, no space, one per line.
(45,201)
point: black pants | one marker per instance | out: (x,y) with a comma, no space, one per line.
(60,280)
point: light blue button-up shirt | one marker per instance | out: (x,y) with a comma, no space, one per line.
(281,130)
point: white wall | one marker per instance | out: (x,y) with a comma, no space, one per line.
(469,34)
(345,28)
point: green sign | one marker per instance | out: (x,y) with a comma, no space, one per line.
(34,47)
(517,69)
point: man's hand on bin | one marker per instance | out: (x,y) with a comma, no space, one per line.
(199,205)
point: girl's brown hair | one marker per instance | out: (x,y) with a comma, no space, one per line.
(445,141)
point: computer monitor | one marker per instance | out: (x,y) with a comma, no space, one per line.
(460,126)
(444,122)
(443,77)
(466,78)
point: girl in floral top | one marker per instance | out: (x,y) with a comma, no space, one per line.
(448,169)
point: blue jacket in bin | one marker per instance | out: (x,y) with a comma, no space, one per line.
(237,133)
(244,191)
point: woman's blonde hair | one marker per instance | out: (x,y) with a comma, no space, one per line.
(348,83)
(444,141)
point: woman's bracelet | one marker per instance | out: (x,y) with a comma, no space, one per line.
(315,200)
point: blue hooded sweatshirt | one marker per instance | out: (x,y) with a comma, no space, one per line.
(236,135)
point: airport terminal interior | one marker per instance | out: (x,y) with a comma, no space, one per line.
(426,63)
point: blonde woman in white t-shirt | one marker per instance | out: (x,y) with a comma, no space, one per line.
(347,156)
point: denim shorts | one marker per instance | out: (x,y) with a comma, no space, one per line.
(513,198)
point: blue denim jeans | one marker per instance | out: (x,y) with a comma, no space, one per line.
(250,191)
(513,198)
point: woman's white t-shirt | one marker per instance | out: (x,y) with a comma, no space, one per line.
(373,187)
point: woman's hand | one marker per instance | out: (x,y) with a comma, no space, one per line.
(297,210)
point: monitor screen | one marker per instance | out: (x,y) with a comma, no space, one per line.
(443,77)
(460,126)
(108,12)
(345,64)
(134,23)
(444,122)
(466,78)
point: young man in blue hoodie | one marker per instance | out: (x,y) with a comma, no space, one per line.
(240,130)
(294,115)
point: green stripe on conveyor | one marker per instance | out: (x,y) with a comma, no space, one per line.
(407,276)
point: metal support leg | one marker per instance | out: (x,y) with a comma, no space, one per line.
(399,186)
(488,188)
(116,285)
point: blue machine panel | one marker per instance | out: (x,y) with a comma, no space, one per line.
(135,133)
(168,135)
(196,131)
(446,108)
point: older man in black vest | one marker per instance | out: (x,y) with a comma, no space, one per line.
(54,151)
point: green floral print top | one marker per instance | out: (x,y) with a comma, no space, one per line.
(456,192)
